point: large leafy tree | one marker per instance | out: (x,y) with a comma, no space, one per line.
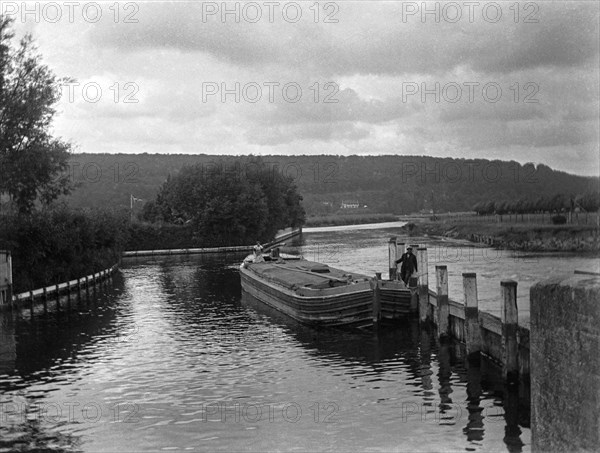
(229,208)
(32,161)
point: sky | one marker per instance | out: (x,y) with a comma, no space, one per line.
(495,80)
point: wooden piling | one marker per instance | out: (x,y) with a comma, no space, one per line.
(399,252)
(392,257)
(57,291)
(87,287)
(472,329)
(45,298)
(375,284)
(510,323)
(423,285)
(441,276)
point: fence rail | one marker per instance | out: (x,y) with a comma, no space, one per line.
(55,291)
(577,218)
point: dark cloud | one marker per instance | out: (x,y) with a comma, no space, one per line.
(565,35)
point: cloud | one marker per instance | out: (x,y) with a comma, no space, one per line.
(372,38)
(364,61)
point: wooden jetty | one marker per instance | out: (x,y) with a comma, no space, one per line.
(500,338)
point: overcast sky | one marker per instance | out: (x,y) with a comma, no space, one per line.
(502,81)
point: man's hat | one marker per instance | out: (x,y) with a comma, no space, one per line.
(409,248)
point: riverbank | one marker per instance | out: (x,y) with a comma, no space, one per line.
(523,237)
(348,219)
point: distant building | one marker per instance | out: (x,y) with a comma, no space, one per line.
(350,204)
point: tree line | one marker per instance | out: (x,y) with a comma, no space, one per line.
(395,184)
(586,202)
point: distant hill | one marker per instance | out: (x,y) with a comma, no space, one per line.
(393,184)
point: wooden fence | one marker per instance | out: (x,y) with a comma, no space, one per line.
(576,218)
(55,291)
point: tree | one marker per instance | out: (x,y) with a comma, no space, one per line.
(227,207)
(32,162)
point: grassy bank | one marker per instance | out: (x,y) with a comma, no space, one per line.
(526,237)
(348,219)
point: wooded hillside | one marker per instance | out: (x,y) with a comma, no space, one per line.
(395,184)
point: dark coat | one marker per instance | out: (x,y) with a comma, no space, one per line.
(409,263)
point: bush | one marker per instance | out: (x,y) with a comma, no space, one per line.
(57,245)
(559,219)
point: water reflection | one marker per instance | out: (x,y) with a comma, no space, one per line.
(173,337)
(421,354)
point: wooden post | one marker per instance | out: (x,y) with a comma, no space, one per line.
(57,291)
(392,257)
(441,276)
(45,299)
(399,252)
(510,323)
(6,279)
(376,299)
(31,302)
(472,329)
(87,287)
(69,293)
(423,284)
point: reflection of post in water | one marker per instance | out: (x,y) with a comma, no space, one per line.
(474,429)
(425,371)
(444,375)
(512,432)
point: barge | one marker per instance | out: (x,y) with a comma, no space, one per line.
(319,295)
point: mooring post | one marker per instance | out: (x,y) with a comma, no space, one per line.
(45,298)
(423,284)
(392,257)
(510,323)
(399,252)
(375,283)
(472,329)
(57,291)
(441,276)
(6,279)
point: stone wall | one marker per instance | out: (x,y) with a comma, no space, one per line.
(565,364)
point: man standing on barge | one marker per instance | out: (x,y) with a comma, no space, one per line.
(409,265)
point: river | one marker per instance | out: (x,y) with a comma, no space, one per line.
(172,357)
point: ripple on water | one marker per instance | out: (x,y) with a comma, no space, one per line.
(173,358)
